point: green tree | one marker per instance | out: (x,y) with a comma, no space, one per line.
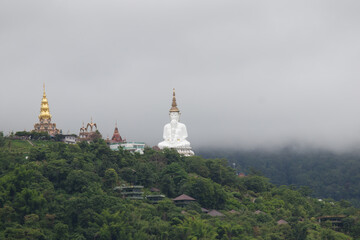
(197,165)
(172,178)
(79,180)
(37,154)
(61,231)
(257,183)
(206,192)
(110,178)
(2,139)
(29,201)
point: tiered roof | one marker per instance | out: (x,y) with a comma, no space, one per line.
(174,107)
(44,110)
(116,138)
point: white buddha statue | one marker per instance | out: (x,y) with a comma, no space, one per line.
(175,133)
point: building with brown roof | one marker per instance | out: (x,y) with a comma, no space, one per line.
(183,200)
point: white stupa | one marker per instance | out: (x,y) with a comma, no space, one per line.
(175,133)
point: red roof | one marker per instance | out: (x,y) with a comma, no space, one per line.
(184,197)
(116,136)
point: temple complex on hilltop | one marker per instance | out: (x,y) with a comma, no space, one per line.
(45,124)
(89,132)
(175,133)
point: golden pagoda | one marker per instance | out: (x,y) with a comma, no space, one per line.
(45,124)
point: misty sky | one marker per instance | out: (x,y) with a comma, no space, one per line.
(247,73)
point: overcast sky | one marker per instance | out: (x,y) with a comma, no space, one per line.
(247,73)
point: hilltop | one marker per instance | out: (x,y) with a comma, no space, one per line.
(56,191)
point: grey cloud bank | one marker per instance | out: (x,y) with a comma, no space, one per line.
(246,73)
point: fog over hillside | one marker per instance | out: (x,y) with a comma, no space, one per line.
(248,74)
(325,173)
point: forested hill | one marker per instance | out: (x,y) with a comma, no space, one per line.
(57,191)
(327,174)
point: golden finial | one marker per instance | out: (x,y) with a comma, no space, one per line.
(174,107)
(44,110)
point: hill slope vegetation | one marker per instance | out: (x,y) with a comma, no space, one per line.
(58,191)
(327,174)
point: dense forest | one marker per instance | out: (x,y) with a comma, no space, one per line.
(327,174)
(50,190)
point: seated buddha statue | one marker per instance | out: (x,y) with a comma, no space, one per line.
(175,133)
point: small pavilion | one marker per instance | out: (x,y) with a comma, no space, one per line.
(183,200)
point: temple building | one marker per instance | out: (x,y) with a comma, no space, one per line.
(117,141)
(89,132)
(116,138)
(175,133)
(45,124)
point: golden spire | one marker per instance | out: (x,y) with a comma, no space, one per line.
(174,107)
(44,110)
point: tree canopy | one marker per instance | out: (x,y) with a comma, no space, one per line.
(59,191)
